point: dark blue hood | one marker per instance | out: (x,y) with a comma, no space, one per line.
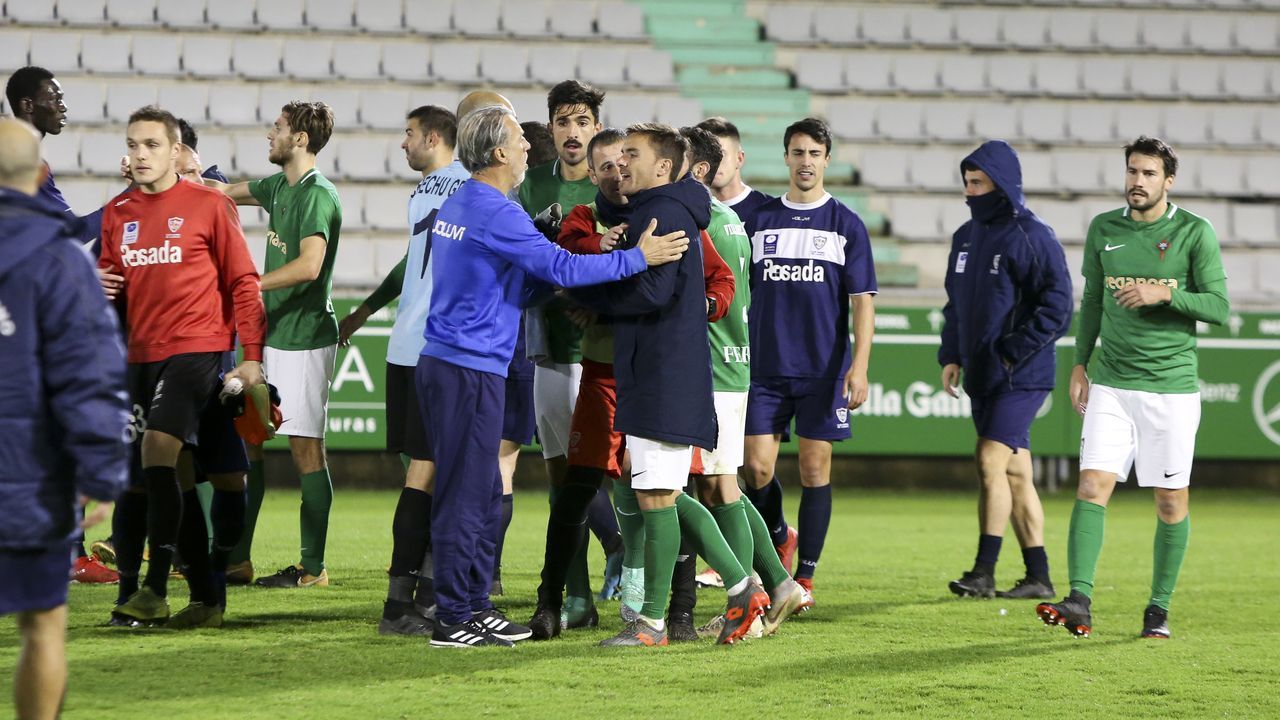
(1000,163)
(26,224)
(688,192)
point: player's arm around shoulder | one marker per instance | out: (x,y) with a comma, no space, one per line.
(239,192)
(578,232)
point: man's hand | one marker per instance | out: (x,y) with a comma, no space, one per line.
(112,284)
(579,316)
(1142,294)
(351,323)
(855,387)
(951,379)
(100,512)
(1079,389)
(662,249)
(248,372)
(126,168)
(612,237)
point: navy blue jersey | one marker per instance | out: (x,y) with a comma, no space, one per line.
(746,204)
(806,260)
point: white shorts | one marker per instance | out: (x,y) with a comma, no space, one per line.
(302,377)
(1155,431)
(657,465)
(555,392)
(731,416)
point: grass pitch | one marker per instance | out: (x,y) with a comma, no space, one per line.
(886,638)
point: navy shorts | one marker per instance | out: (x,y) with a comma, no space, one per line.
(817,405)
(1006,417)
(34,579)
(406,425)
(518,422)
(221,449)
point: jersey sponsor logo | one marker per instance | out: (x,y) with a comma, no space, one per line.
(140,257)
(794,243)
(131,232)
(809,272)
(1163,246)
(995,264)
(273,240)
(962,259)
(734,229)
(122,202)
(1115,282)
(175,224)
(736,354)
(771,244)
(448,230)
(1109,247)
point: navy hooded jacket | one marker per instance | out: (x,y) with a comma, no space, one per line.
(1008,287)
(661,358)
(63,405)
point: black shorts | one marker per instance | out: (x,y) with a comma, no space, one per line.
(406,428)
(518,422)
(171,395)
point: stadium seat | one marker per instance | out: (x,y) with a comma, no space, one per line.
(529,104)
(901,120)
(330,15)
(1269,267)
(608,67)
(1234,125)
(187,15)
(1257,34)
(232,14)
(134,13)
(964,75)
(931,27)
(477,18)
(207,56)
(406,61)
(916,218)
(1212,33)
(937,169)
(1200,79)
(31,12)
(950,122)
(63,153)
(387,207)
(573,19)
(525,19)
(256,57)
(237,106)
(214,149)
(1254,224)
(621,21)
(651,69)
(978,27)
(1010,75)
(1072,30)
(456,62)
(836,24)
(853,119)
(917,73)
(1091,122)
(351,198)
(1246,80)
(1262,175)
(252,218)
(82,194)
(429,18)
(124,97)
(100,153)
(622,110)
(822,71)
(1152,78)
(1037,172)
(503,64)
(187,100)
(1242,274)
(273,98)
(82,12)
(993,121)
(388,252)
(789,23)
(549,64)
(1165,32)
(307,59)
(866,71)
(679,111)
(384,109)
(1065,217)
(281,15)
(357,262)
(160,55)
(1077,171)
(357,59)
(57,52)
(13,47)
(1103,77)
(85,99)
(1186,125)
(1120,31)
(884,25)
(1269,125)
(344,100)
(251,154)
(1043,122)
(884,168)
(1027,30)
(379,16)
(1058,76)
(103,54)
(1220,175)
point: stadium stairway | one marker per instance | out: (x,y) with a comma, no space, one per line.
(722,62)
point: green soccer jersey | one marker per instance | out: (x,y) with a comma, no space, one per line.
(730,345)
(543,186)
(1153,348)
(300,317)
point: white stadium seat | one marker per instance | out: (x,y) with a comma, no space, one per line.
(307,59)
(503,64)
(1043,122)
(85,98)
(82,12)
(1262,175)
(608,67)
(884,25)
(573,19)
(1165,31)
(964,75)
(1091,122)
(836,24)
(351,198)
(1234,125)
(1058,76)
(330,15)
(158,54)
(357,266)
(949,122)
(135,13)
(272,99)
(866,71)
(901,120)
(823,71)
(1254,224)
(1186,125)
(916,218)
(917,73)
(1037,172)
(549,64)
(57,52)
(380,16)
(525,18)
(251,154)
(621,21)
(1010,75)
(978,27)
(1200,79)
(281,15)
(679,111)
(187,15)
(1246,80)
(1152,78)
(32,12)
(207,57)
(85,195)
(237,106)
(231,14)
(931,27)
(187,100)
(13,47)
(124,97)
(410,61)
(651,69)
(357,59)
(1257,33)
(1072,29)
(1220,175)
(1027,29)
(256,57)
(1120,31)
(384,109)
(344,100)
(1077,171)
(1065,217)
(103,54)
(1212,33)
(456,62)
(62,152)
(387,207)
(477,18)
(853,119)
(884,168)
(789,23)
(100,152)
(622,110)
(936,169)
(994,122)
(429,18)
(1269,125)
(1104,77)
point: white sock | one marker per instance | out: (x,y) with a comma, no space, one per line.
(742,585)
(658,624)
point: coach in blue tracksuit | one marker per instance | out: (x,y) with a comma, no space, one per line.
(1008,301)
(63,413)
(488,262)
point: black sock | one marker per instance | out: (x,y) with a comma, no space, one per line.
(1037,563)
(613,545)
(80,552)
(502,537)
(164,515)
(193,543)
(129,532)
(768,500)
(988,554)
(815,519)
(566,531)
(684,590)
(410,532)
(226,510)
(600,517)
(424,593)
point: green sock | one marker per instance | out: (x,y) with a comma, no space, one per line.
(1085,544)
(631,524)
(661,545)
(1170,549)
(764,555)
(733,524)
(204,491)
(701,530)
(404,460)
(257,488)
(313,518)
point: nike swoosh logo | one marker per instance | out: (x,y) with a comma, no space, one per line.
(638,474)
(624,512)
(1109,247)
(1169,475)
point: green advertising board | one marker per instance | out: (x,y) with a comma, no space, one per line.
(907,412)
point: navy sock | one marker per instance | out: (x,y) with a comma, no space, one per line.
(129,532)
(1037,563)
(768,500)
(815,518)
(226,510)
(601,519)
(988,553)
(410,531)
(684,588)
(193,543)
(164,516)
(502,536)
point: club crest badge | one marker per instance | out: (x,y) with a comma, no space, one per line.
(842,414)
(175,224)
(819,241)
(1162,246)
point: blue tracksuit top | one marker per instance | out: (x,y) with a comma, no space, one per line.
(661,358)
(489,262)
(1008,287)
(63,405)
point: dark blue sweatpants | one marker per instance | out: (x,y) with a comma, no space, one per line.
(465,424)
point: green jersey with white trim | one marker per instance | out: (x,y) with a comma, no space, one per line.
(1152,348)
(730,342)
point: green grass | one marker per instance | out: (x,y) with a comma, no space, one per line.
(886,638)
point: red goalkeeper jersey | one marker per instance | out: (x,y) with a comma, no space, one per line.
(189,280)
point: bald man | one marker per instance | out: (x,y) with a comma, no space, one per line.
(68,440)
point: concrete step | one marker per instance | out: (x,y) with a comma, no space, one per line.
(714,77)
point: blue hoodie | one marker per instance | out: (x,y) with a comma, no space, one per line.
(487,262)
(1008,287)
(661,358)
(63,405)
